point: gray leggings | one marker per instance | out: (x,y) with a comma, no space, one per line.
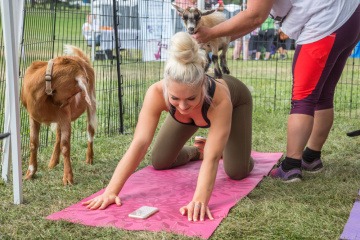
(169,150)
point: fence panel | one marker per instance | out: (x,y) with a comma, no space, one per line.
(122,80)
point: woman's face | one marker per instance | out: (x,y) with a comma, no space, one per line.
(183,97)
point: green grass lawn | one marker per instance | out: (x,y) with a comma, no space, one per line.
(316,208)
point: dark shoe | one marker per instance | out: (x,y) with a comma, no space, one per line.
(283,56)
(313,167)
(293,175)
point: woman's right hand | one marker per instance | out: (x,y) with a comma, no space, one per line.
(102,201)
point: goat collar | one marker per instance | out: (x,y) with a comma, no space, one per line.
(48,77)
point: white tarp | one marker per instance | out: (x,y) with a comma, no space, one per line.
(156,29)
(145,25)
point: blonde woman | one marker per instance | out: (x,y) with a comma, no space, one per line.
(193,99)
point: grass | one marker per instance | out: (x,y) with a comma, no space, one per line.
(316,208)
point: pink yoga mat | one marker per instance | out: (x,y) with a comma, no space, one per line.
(169,190)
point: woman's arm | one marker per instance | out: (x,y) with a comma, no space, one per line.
(148,119)
(219,131)
(242,23)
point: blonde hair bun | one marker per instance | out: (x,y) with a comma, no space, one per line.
(185,64)
(184,49)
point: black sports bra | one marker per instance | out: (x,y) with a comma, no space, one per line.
(205,107)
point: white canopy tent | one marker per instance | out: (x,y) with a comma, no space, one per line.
(12,27)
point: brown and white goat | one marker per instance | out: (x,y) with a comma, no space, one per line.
(194,18)
(59,91)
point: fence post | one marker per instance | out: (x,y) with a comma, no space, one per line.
(115,28)
(11,31)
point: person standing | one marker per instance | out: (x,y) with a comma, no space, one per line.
(326,33)
(266,38)
(241,45)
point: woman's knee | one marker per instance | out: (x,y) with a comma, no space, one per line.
(159,162)
(238,173)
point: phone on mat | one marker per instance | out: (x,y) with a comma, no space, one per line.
(143,212)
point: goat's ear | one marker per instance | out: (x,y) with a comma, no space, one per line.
(204,13)
(179,9)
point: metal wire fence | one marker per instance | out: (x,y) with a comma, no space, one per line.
(127,60)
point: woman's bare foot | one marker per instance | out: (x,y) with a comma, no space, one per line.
(199,143)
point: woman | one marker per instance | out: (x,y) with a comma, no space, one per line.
(326,32)
(193,99)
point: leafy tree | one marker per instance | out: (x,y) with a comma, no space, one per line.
(233,1)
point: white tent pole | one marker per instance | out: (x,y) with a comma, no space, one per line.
(6,142)
(93,37)
(11,40)
(243,38)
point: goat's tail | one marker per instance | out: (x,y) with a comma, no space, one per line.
(75,51)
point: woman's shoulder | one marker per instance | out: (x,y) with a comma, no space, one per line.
(156,88)
(222,93)
(155,95)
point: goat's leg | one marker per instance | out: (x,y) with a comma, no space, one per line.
(65,128)
(223,62)
(215,60)
(208,61)
(92,124)
(34,145)
(56,152)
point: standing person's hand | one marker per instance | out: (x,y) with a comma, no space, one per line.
(102,201)
(282,35)
(202,35)
(196,211)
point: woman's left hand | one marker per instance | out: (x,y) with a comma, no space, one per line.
(196,210)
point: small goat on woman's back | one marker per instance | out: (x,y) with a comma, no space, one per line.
(193,19)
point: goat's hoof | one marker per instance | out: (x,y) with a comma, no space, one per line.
(226,70)
(217,74)
(68,181)
(52,164)
(68,178)
(29,175)
(89,161)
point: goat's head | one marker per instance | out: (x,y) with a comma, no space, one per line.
(191,17)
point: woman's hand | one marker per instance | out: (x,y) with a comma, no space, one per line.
(102,201)
(282,35)
(196,210)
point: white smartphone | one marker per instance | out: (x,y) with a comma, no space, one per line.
(143,212)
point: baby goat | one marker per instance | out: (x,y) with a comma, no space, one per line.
(59,91)
(193,19)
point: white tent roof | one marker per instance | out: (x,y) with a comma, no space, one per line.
(232,7)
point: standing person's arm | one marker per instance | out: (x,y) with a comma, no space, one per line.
(242,23)
(148,119)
